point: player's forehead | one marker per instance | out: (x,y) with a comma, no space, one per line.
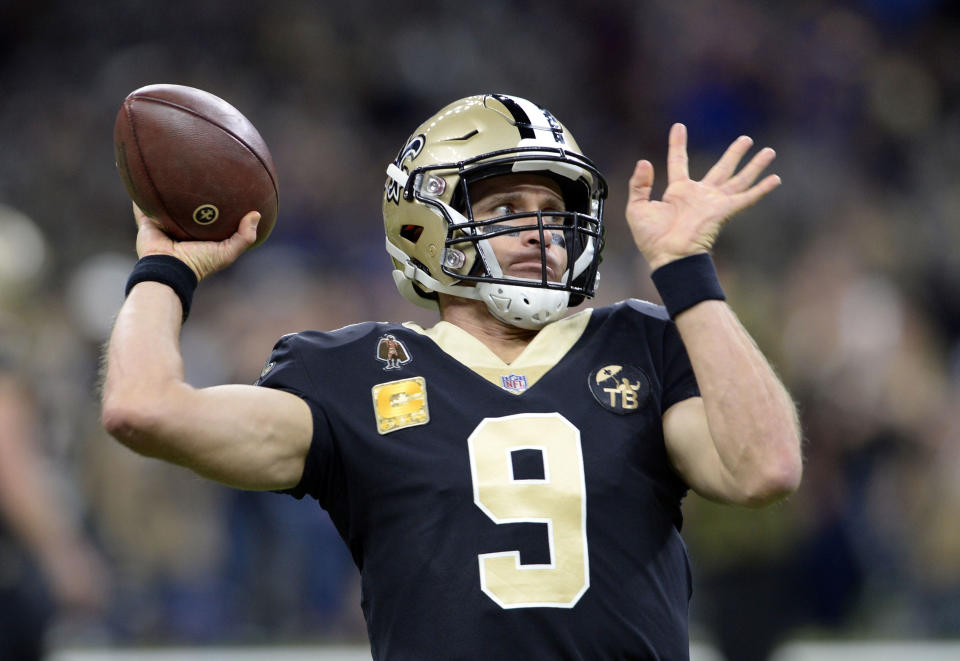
(516,184)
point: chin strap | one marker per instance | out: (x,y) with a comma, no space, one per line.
(405,278)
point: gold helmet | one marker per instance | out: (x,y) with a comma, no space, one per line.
(436,244)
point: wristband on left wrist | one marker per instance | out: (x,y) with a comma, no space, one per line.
(687,281)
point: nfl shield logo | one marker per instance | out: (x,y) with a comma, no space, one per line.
(514,382)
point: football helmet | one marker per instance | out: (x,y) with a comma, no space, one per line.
(438,246)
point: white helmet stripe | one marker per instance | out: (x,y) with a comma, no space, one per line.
(584,260)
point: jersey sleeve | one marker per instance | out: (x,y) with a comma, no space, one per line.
(285,370)
(679,382)
(677,378)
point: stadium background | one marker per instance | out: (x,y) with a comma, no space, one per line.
(848,276)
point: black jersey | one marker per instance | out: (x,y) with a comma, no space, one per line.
(502,521)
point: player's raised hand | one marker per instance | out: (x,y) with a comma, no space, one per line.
(689,217)
(203,257)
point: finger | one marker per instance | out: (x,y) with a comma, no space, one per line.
(641,182)
(677,167)
(138,215)
(745,178)
(145,224)
(725,167)
(753,195)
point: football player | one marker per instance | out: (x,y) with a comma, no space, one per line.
(511,487)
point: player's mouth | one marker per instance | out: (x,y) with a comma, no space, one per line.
(531,270)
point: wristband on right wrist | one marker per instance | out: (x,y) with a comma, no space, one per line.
(687,281)
(168,270)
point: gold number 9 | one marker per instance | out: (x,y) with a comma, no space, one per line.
(559,500)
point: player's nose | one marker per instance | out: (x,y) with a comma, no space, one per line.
(532,236)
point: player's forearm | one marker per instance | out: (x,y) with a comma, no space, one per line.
(143,366)
(751,417)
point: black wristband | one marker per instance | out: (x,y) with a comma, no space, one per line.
(685,282)
(169,271)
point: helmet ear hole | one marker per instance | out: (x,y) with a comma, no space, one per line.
(411,232)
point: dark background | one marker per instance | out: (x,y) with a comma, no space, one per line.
(848,275)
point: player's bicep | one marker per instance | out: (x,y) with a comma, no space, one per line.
(692,451)
(248,437)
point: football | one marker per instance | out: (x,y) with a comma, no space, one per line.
(193,163)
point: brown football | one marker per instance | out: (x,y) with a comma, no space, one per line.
(194,163)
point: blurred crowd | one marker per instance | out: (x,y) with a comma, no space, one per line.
(848,276)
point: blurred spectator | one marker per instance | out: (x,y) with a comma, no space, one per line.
(46,564)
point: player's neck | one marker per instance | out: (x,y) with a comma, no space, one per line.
(505,341)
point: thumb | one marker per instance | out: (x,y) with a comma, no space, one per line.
(248,227)
(246,234)
(230,249)
(206,257)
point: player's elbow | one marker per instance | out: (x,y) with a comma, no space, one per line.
(776,479)
(131,421)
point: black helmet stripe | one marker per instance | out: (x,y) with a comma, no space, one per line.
(520,118)
(545,126)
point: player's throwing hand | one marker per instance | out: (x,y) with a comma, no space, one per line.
(689,217)
(203,257)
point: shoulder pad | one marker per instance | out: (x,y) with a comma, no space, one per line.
(631,306)
(648,308)
(336,338)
